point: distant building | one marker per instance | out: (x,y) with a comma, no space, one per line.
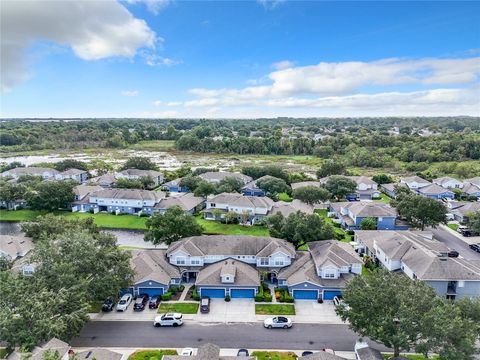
(215,177)
(287,208)
(16,249)
(448,182)
(54,345)
(462,209)
(174,186)
(77,175)
(106,180)
(367,189)
(188,202)
(125,201)
(136,174)
(437,192)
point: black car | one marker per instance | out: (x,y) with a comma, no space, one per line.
(475,247)
(154,302)
(140,303)
(108,305)
(205,305)
(306,353)
(243,353)
(467,232)
(453,253)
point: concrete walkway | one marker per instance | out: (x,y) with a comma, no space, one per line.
(185,291)
(272,291)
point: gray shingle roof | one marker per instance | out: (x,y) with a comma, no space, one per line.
(106,179)
(301,184)
(475,181)
(152,265)
(244,274)
(15,246)
(130,194)
(368,353)
(333,252)
(253,184)
(433,189)
(38,352)
(287,208)
(417,179)
(206,352)
(231,245)
(83,190)
(444,179)
(36,171)
(187,201)
(470,188)
(234,199)
(366,208)
(138,172)
(321,355)
(98,354)
(220,175)
(73,171)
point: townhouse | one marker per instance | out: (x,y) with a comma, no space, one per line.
(215,177)
(45,173)
(448,182)
(462,209)
(188,202)
(250,209)
(287,208)
(174,186)
(77,175)
(419,256)
(351,214)
(106,180)
(136,174)
(322,272)
(471,187)
(124,201)
(425,188)
(17,249)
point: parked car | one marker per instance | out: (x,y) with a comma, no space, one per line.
(170,319)
(278,322)
(205,305)
(154,302)
(338,301)
(475,247)
(187,352)
(306,353)
(124,302)
(108,305)
(453,253)
(140,302)
(243,353)
(465,231)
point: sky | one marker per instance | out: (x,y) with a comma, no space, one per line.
(238,59)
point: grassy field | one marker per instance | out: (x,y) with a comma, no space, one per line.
(453,226)
(184,308)
(153,145)
(151,354)
(214,227)
(274,309)
(274,355)
(323,213)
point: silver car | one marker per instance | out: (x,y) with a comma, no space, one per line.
(278,322)
(124,302)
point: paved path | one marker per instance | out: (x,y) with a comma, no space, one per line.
(185,291)
(455,242)
(143,334)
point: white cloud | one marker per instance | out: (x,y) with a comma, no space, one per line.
(270,4)
(130,93)
(153,59)
(154,6)
(92,29)
(284,64)
(166,103)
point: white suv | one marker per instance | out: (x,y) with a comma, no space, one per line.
(170,319)
(124,302)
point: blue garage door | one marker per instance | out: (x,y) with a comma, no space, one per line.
(213,293)
(243,293)
(329,295)
(305,294)
(150,291)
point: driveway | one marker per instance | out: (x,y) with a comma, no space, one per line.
(235,311)
(128,315)
(308,311)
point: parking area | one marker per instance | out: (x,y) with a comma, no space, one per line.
(234,311)
(128,315)
(313,312)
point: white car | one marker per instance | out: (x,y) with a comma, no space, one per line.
(278,322)
(124,302)
(187,352)
(170,319)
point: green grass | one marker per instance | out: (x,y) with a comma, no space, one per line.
(453,226)
(180,307)
(151,354)
(324,213)
(303,247)
(20,215)
(215,227)
(284,197)
(274,355)
(384,198)
(3,353)
(274,309)
(410,356)
(153,145)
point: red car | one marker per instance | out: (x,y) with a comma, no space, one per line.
(154,302)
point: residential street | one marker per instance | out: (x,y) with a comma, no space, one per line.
(454,242)
(143,334)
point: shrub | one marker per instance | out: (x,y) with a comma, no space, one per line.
(144,215)
(337,225)
(167,296)
(288,298)
(195,294)
(259,297)
(351,232)
(268,297)
(173,289)
(227,298)
(264,286)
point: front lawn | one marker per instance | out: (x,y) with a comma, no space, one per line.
(453,226)
(284,197)
(274,309)
(215,227)
(151,354)
(274,355)
(179,307)
(384,198)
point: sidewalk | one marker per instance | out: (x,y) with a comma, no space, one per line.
(467,240)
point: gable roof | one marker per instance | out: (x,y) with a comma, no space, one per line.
(287,208)
(464,207)
(15,246)
(72,171)
(235,199)
(107,179)
(444,179)
(366,208)
(130,194)
(367,353)
(433,189)
(244,274)
(221,175)
(470,188)
(36,171)
(152,265)
(187,201)
(301,184)
(206,352)
(138,172)
(321,355)
(99,354)
(231,245)
(83,190)
(474,181)
(54,345)
(333,252)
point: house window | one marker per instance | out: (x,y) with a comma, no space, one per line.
(212,204)
(329,275)
(279,261)
(180,260)
(264,261)
(195,261)
(460,283)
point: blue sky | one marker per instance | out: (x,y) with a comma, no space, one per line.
(159,58)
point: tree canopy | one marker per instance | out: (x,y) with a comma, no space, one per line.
(51,195)
(171,226)
(311,194)
(340,186)
(140,163)
(331,167)
(229,185)
(273,186)
(420,211)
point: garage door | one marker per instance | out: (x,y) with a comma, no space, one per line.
(213,293)
(243,293)
(305,294)
(150,291)
(329,295)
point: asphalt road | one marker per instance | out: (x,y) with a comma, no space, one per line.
(455,243)
(140,334)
